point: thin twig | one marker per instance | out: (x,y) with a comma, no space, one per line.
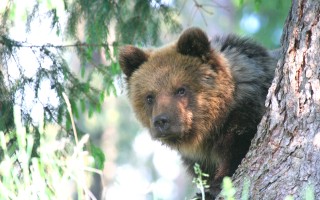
(71,116)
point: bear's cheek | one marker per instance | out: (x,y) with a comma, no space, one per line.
(185,115)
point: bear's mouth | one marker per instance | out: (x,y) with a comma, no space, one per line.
(170,139)
(167,136)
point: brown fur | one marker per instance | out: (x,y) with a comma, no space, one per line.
(185,94)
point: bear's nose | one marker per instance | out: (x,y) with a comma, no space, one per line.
(161,123)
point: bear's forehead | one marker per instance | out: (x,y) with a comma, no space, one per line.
(167,71)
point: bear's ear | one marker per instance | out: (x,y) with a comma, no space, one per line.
(130,58)
(193,42)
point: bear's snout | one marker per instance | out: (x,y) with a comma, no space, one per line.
(161,124)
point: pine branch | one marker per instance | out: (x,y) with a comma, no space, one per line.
(13,43)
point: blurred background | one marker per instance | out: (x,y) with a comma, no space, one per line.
(135,167)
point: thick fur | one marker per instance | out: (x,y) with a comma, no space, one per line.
(201,98)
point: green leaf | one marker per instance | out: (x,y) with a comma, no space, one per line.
(68,123)
(101,97)
(114,68)
(98,155)
(98,108)
(61,110)
(74,108)
(257,4)
(86,87)
(83,70)
(228,191)
(83,105)
(245,189)
(309,193)
(90,112)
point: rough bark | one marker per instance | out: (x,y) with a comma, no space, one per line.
(284,157)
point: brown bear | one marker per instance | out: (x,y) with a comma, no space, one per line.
(202,98)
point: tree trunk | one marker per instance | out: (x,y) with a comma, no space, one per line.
(284,158)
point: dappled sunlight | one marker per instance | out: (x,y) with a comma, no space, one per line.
(250,23)
(135,182)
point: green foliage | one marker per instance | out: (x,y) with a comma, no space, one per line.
(133,23)
(309,193)
(257,3)
(289,198)
(98,155)
(6,110)
(90,25)
(89,33)
(228,191)
(245,189)
(271,16)
(200,180)
(60,164)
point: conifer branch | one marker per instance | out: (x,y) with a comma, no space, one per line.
(13,43)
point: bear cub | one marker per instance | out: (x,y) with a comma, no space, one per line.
(202,98)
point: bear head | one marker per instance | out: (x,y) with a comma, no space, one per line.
(181,92)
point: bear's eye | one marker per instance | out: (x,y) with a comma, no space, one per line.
(181,91)
(150,99)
